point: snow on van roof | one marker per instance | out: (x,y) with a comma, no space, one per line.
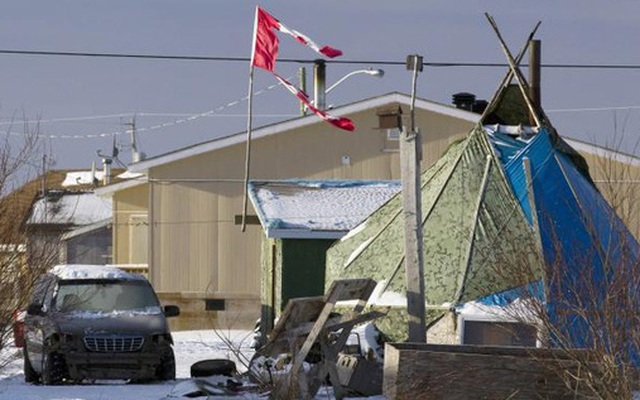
(82,271)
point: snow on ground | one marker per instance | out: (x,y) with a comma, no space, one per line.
(190,346)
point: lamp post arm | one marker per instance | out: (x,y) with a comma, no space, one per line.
(330,88)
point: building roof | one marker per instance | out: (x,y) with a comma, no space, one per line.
(105,223)
(142,167)
(16,206)
(602,151)
(127,180)
(74,208)
(301,122)
(325,209)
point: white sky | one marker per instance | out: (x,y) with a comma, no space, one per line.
(588,32)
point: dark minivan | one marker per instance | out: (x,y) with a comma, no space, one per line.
(96,322)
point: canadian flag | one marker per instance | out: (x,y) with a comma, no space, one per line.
(338,122)
(265,53)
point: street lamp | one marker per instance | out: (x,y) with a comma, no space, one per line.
(369,71)
(319,82)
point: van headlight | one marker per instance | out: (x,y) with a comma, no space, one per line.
(164,338)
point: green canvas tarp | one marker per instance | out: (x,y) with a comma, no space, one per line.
(472,226)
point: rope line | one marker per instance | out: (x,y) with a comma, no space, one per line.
(187,118)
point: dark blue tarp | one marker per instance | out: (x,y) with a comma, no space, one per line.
(577,225)
(583,241)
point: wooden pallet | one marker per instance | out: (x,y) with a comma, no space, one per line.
(310,321)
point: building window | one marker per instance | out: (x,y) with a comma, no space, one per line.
(391,139)
(498,333)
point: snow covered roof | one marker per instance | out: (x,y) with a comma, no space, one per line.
(317,209)
(130,179)
(77,208)
(86,271)
(86,229)
(77,178)
(301,122)
(89,178)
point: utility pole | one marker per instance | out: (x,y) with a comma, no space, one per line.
(410,157)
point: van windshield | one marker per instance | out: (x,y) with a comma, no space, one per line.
(105,296)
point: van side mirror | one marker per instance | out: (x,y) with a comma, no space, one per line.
(171,311)
(34,309)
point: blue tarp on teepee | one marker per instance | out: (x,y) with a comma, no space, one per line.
(582,239)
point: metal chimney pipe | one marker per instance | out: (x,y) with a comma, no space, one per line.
(302,77)
(106,164)
(320,84)
(534,71)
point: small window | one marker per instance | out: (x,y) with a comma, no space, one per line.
(493,333)
(214,304)
(393,134)
(391,139)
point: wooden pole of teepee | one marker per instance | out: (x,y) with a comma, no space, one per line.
(508,76)
(534,111)
(410,150)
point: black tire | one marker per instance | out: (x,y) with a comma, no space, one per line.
(213,367)
(167,368)
(30,375)
(53,369)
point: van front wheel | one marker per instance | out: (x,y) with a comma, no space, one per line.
(53,369)
(167,369)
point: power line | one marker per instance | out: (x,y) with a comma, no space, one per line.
(193,116)
(303,61)
(593,109)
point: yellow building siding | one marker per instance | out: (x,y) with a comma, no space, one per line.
(619,183)
(196,245)
(129,205)
(197,252)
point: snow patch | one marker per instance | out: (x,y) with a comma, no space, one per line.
(115,313)
(518,310)
(81,178)
(319,206)
(381,297)
(130,175)
(83,271)
(77,208)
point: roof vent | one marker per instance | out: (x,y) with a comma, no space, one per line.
(479,106)
(464,100)
(467,101)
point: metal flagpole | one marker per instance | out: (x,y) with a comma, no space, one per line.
(247,160)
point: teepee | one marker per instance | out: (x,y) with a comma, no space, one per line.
(512,196)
